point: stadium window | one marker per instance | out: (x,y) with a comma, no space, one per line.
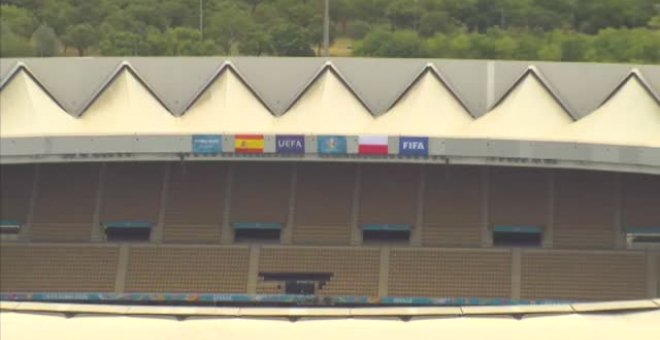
(9,230)
(257,232)
(385,233)
(127,231)
(643,237)
(517,236)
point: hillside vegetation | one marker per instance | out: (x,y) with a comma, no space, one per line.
(570,30)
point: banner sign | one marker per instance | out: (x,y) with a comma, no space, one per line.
(207,144)
(414,146)
(290,144)
(332,145)
(372,145)
(249,143)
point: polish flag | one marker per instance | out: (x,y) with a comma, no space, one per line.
(372,145)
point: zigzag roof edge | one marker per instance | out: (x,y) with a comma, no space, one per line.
(535,72)
(124,66)
(637,74)
(226,65)
(327,66)
(14,70)
(429,67)
(22,67)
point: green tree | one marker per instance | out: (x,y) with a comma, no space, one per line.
(12,45)
(56,14)
(121,43)
(187,41)
(401,44)
(44,41)
(256,42)
(291,40)
(80,37)
(21,21)
(403,13)
(228,24)
(436,22)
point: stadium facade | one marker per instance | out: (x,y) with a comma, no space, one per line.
(349,181)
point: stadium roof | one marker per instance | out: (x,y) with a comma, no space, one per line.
(602,321)
(480,100)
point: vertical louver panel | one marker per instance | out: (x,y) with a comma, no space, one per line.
(584,209)
(132,191)
(453,211)
(260,192)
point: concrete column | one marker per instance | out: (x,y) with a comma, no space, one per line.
(417,233)
(226,232)
(97,234)
(516,269)
(253,269)
(652,275)
(287,233)
(356,231)
(548,233)
(384,272)
(122,268)
(486,235)
(157,232)
(619,237)
(24,233)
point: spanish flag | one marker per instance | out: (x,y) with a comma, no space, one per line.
(249,143)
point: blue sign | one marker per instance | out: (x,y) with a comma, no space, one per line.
(414,146)
(332,145)
(290,144)
(207,144)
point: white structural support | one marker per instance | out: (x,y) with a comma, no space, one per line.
(619,237)
(287,233)
(548,233)
(97,231)
(34,191)
(652,275)
(356,231)
(417,233)
(516,270)
(157,232)
(384,272)
(122,268)
(253,269)
(226,232)
(486,235)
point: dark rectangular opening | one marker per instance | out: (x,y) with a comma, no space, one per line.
(258,232)
(643,236)
(127,231)
(299,283)
(385,233)
(505,236)
(257,235)
(10,227)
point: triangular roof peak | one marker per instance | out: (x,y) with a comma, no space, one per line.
(22,67)
(227,66)
(7,73)
(634,73)
(327,66)
(429,68)
(533,71)
(124,66)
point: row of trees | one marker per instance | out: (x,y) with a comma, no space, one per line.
(601,30)
(609,45)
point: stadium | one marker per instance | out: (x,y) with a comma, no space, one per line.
(379,188)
